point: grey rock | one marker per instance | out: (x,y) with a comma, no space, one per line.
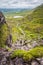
(2,18)
(34,44)
(41,61)
(9,41)
(34,63)
(18,61)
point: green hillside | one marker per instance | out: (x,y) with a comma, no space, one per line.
(32,26)
(22,37)
(28,27)
(35,22)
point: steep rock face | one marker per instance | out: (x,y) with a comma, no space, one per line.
(2,18)
(4,31)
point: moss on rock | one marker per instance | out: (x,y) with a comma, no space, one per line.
(27,55)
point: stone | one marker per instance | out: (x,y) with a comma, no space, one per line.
(9,41)
(18,61)
(34,44)
(34,63)
(41,61)
(2,18)
(24,48)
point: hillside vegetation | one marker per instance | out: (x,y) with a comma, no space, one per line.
(29,27)
(21,39)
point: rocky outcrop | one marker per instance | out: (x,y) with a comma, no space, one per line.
(27,44)
(5,36)
(9,41)
(6,60)
(2,18)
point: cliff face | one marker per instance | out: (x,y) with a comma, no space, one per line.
(4,31)
(2,18)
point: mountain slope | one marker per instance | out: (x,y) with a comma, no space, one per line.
(31,24)
(34,22)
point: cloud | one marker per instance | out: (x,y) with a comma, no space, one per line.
(20,3)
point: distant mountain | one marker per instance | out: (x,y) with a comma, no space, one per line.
(37,13)
(13,10)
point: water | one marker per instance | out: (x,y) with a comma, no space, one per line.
(18,16)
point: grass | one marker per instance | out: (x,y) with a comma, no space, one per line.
(27,55)
(3,34)
(31,29)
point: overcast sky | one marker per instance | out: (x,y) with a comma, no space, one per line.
(20,3)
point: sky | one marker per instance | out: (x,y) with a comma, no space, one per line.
(20,3)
